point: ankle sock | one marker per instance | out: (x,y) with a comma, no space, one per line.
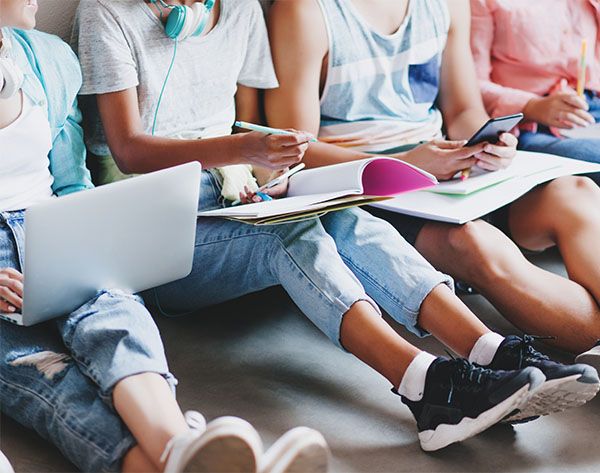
(485,348)
(412,385)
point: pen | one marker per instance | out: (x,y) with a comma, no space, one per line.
(275,182)
(267,130)
(582,69)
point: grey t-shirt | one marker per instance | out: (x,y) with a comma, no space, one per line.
(122,44)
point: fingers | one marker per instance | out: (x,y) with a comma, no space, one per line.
(296,139)
(6,308)
(9,295)
(444,144)
(12,273)
(464,153)
(499,151)
(574,101)
(509,140)
(491,162)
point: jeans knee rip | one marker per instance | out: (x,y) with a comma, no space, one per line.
(48,363)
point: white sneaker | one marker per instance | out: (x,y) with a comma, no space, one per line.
(5,466)
(227,445)
(591,357)
(301,450)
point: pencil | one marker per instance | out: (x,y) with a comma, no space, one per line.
(465,173)
(267,130)
(581,76)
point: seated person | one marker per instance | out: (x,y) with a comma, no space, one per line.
(537,73)
(382,77)
(95,382)
(337,269)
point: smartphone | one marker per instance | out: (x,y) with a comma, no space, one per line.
(491,131)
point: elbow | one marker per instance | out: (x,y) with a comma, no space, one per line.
(126,157)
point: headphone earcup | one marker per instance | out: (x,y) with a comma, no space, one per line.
(201,15)
(176,22)
(11,78)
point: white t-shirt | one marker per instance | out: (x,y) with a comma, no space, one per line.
(122,44)
(25,177)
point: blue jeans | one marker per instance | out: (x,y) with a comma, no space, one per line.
(583,149)
(57,378)
(326,265)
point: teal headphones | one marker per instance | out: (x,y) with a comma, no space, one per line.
(183,21)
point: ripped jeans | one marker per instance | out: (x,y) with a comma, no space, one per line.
(57,377)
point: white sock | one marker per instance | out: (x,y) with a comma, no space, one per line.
(412,385)
(485,348)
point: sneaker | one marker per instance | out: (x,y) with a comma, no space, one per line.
(301,450)
(591,357)
(566,386)
(461,400)
(227,445)
(5,466)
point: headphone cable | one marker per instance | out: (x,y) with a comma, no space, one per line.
(164,86)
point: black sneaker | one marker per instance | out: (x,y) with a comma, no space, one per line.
(461,400)
(566,386)
(591,357)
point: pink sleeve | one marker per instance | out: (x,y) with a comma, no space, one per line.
(498,100)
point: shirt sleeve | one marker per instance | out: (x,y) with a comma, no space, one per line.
(258,71)
(106,59)
(498,100)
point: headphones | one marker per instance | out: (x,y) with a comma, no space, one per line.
(11,77)
(183,21)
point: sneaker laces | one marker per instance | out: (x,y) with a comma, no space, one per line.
(527,352)
(468,377)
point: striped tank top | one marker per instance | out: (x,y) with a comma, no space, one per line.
(381,90)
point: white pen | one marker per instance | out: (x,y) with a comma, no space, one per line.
(275,182)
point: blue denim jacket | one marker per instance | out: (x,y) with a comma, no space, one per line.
(53,77)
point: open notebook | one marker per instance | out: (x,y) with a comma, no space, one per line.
(457,207)
(592,131)
(317,191)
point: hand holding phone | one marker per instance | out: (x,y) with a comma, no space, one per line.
(490,133)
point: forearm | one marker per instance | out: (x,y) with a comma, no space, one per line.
(144,153)
(466,123)
(324,154)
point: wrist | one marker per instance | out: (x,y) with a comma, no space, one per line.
(238,149)
(530,111)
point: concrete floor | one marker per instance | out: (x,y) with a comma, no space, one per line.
(258,358)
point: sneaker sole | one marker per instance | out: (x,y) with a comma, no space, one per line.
(229,445)
(556,395)
(591,358)
(301,450)
(446,434)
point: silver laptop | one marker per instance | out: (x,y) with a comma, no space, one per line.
(132,235)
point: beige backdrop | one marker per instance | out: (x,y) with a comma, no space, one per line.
(56,16)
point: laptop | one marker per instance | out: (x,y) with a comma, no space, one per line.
(131,235)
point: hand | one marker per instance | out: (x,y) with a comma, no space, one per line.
(273,151)
(276,192)
(443,158)
(500,155)
(563,109)
(11,290)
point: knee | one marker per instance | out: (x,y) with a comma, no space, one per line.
(480,250)
(571,192)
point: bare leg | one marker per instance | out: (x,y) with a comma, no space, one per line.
(136,461)
(149,409)
(450,321)
(367,336)
(535,300)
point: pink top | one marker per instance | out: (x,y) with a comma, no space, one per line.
(523,48)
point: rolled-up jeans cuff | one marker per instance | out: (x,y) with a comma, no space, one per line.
(349,305)
(415,300)
(107,394)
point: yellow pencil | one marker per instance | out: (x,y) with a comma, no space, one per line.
(582,69)
(465,173)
